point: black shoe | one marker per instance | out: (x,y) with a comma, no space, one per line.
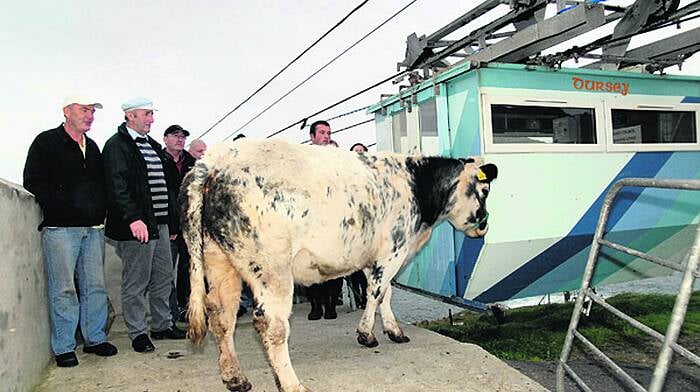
(170,333)
(330,313)
(183,315)
(241,311)
(104,349)
(142,344)
(66,359)
(316,311)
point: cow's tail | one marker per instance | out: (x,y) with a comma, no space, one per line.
(191,202)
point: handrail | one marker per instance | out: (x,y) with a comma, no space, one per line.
(690,273)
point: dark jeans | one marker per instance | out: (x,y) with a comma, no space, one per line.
(358,285)
(180,295)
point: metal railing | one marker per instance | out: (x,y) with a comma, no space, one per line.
(669,345)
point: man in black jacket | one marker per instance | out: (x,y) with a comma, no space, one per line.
(323,294)
(177,163)
(64,172)
(140,218)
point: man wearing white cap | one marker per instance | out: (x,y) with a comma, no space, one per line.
(139,218)
(64,172)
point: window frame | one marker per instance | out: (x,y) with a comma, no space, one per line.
(421,106)
(650,103)
(546,98)
(429,144)
(395,133)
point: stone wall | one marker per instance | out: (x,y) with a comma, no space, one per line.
(24,319)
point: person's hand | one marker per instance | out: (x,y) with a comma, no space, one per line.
(173,237)
(139,231)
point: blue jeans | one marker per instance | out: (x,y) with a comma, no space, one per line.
(75,254)
(246,295)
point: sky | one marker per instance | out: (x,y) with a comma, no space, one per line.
(198,60)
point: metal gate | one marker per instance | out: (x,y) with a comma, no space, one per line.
(690,273)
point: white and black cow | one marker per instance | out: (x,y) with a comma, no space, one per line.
(271,213)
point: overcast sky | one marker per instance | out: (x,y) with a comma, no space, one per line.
(198,60)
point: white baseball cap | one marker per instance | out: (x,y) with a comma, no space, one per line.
(81,100)
(138,103)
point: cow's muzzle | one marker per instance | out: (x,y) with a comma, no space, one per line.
(478,226)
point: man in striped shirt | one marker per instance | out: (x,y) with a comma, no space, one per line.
(139,218)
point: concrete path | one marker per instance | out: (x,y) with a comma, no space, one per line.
(325,355)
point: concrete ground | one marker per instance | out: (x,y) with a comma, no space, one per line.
(324,353)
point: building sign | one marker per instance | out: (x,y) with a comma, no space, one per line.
(597,85)
(627,135)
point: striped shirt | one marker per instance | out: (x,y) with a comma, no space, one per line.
(156,178)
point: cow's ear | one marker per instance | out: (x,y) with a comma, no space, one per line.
(487,173)
(466,160)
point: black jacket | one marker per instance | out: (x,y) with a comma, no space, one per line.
(69,188)
(128,193)
(174,179)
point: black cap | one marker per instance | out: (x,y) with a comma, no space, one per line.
(174,129)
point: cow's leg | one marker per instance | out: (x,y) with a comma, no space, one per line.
(365,334)
(389,323)
(270,318)
(378,283)
(222,304)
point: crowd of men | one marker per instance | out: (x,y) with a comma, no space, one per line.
(128,193)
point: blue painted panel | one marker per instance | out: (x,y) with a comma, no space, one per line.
(641,165)
(468,254)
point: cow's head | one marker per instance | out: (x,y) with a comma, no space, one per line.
(468,212)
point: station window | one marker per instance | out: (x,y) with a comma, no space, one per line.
(653,126)
(399,130)
(428,118)
(521,124)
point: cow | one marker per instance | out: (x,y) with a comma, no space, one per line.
(270,213)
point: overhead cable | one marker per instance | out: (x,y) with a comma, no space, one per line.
(577,51)
(285,67)
(303,120)
(320,69)
(340,115)
(344,129)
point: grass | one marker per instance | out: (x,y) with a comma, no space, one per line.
(537,333)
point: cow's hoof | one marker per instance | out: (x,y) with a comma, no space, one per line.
(398,338)
(238,385)
(367,340)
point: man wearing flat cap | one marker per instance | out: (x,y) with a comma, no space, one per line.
(64,172)
(177,163)
(140,216)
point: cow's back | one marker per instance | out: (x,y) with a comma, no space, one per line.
(276,160)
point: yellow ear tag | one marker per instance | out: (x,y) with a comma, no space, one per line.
(480,175)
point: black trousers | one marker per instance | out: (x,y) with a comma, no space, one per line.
(358,285)
(324,293)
